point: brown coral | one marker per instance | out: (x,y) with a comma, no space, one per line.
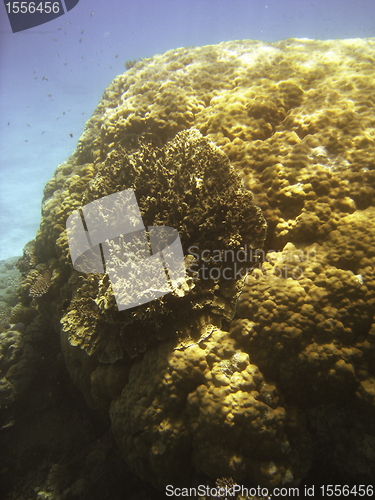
(247,397)
(41,283)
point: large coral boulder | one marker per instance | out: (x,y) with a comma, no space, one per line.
(261,364)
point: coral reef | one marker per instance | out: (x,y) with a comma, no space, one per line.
(16,370)
(257,377)
(41,284)
(10,279)
(203,409)
(189,185)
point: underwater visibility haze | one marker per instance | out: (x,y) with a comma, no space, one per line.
(187,251)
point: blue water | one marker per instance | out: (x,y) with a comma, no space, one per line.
(52,76)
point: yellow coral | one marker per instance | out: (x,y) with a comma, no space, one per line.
(295,118)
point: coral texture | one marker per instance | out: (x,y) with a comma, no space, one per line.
(189,185)
(203,408)
(259,376)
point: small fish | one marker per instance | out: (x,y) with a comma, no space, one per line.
(58,29)
(116,56)
(71,135)
(82,32)
(42,132)
(8,124)
(27,124)
(49,95)
(68,22)
(44,78)
(92,13)
(80,40)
